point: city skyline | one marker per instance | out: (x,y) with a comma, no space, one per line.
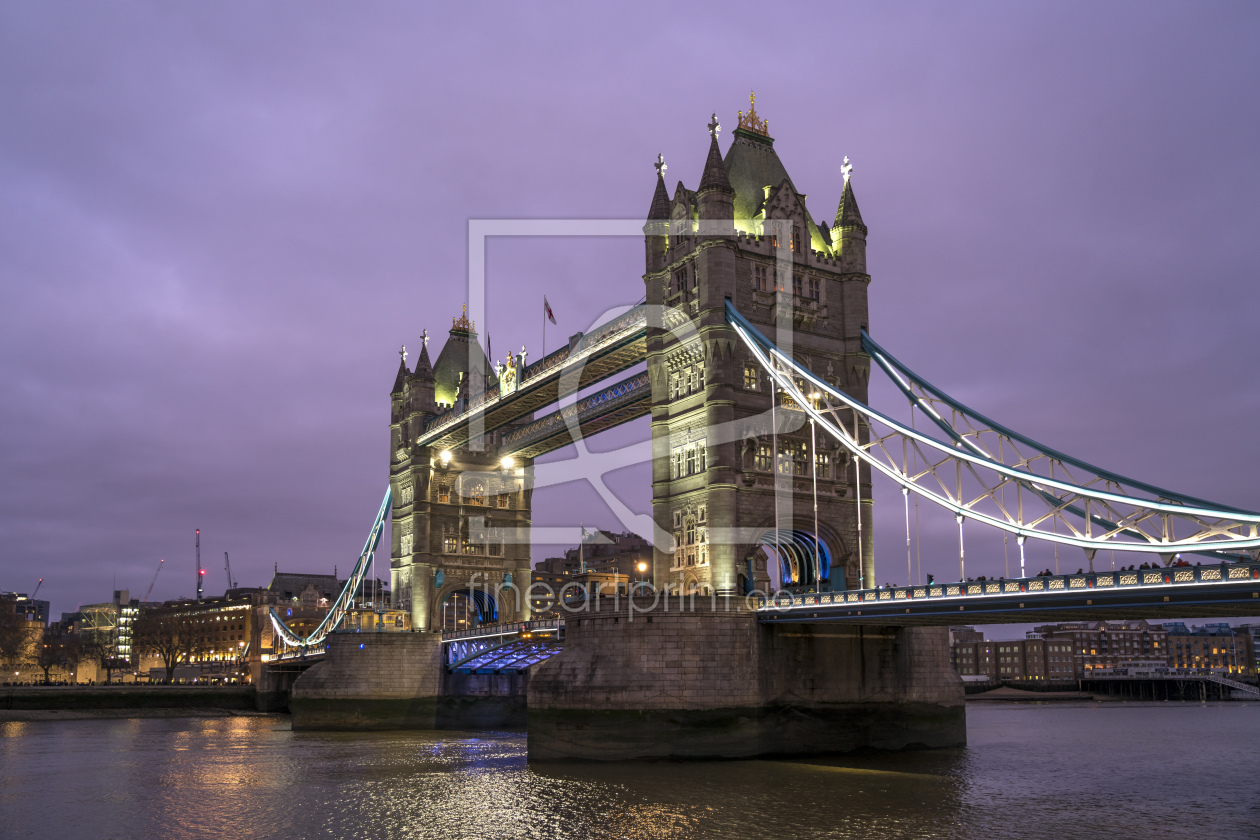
(215,248)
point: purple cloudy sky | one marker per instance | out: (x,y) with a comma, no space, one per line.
(219,221)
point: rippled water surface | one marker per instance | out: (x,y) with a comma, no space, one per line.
(1115,770)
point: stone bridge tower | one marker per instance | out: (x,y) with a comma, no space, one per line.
(746,235)
(461,517)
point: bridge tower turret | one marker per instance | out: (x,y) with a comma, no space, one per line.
(461,516)
(745,235)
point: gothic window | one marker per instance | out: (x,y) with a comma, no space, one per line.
(764,456)
(680,279)
(496,548)
(797,286)
(450,541)
(406,543)
(800,459)
(687,460)
(689,532)
(750,377)
(774,241)
(501,500)
(796,241)
(444,494)
(760,282)
(405,494)
(476,494)
(814,293)
(822,461)
(793,457)
(703,512)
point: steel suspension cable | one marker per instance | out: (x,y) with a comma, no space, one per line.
(857,475)
(774,475)
(813,453)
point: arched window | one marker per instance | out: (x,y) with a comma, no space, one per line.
(476,493)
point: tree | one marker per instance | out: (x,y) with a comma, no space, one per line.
(57,649)
(14,635)
(168,635)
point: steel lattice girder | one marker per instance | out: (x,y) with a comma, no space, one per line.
(513,655)
(1126,521)
(627,400)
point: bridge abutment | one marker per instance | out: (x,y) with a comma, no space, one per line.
(712,682)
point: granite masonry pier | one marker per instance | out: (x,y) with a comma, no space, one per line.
(712,682)
(371,681)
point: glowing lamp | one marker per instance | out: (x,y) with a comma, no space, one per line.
(643,567)
(445,456)
(508,462)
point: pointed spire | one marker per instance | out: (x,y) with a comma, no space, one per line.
(660,199)
(847,214)
(423,365)
(714,177)
(402,374)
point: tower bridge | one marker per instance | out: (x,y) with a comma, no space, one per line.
(756,342)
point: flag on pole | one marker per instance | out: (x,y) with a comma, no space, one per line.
(547,310)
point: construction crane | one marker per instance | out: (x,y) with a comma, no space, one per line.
(201,573)
(227,564)
(149,591)
(37,586)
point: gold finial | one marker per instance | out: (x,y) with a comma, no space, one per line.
(462,322)
(750,121)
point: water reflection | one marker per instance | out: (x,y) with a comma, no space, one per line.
(1084,771)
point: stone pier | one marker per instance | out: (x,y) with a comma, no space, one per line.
(380,681)
(711,682)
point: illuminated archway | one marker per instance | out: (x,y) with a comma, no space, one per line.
(795,559)
(465,608)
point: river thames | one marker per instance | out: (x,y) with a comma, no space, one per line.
(1055,771)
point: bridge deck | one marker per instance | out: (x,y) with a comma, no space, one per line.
(1175,592)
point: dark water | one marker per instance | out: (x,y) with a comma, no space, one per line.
(1116,770)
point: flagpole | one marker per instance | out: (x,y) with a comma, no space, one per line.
(544,343)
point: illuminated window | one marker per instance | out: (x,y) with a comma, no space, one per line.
(764,457)
(750,377)
(501,500)
(796,241)
(476,494)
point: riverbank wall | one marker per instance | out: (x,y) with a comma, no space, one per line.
(82,698)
